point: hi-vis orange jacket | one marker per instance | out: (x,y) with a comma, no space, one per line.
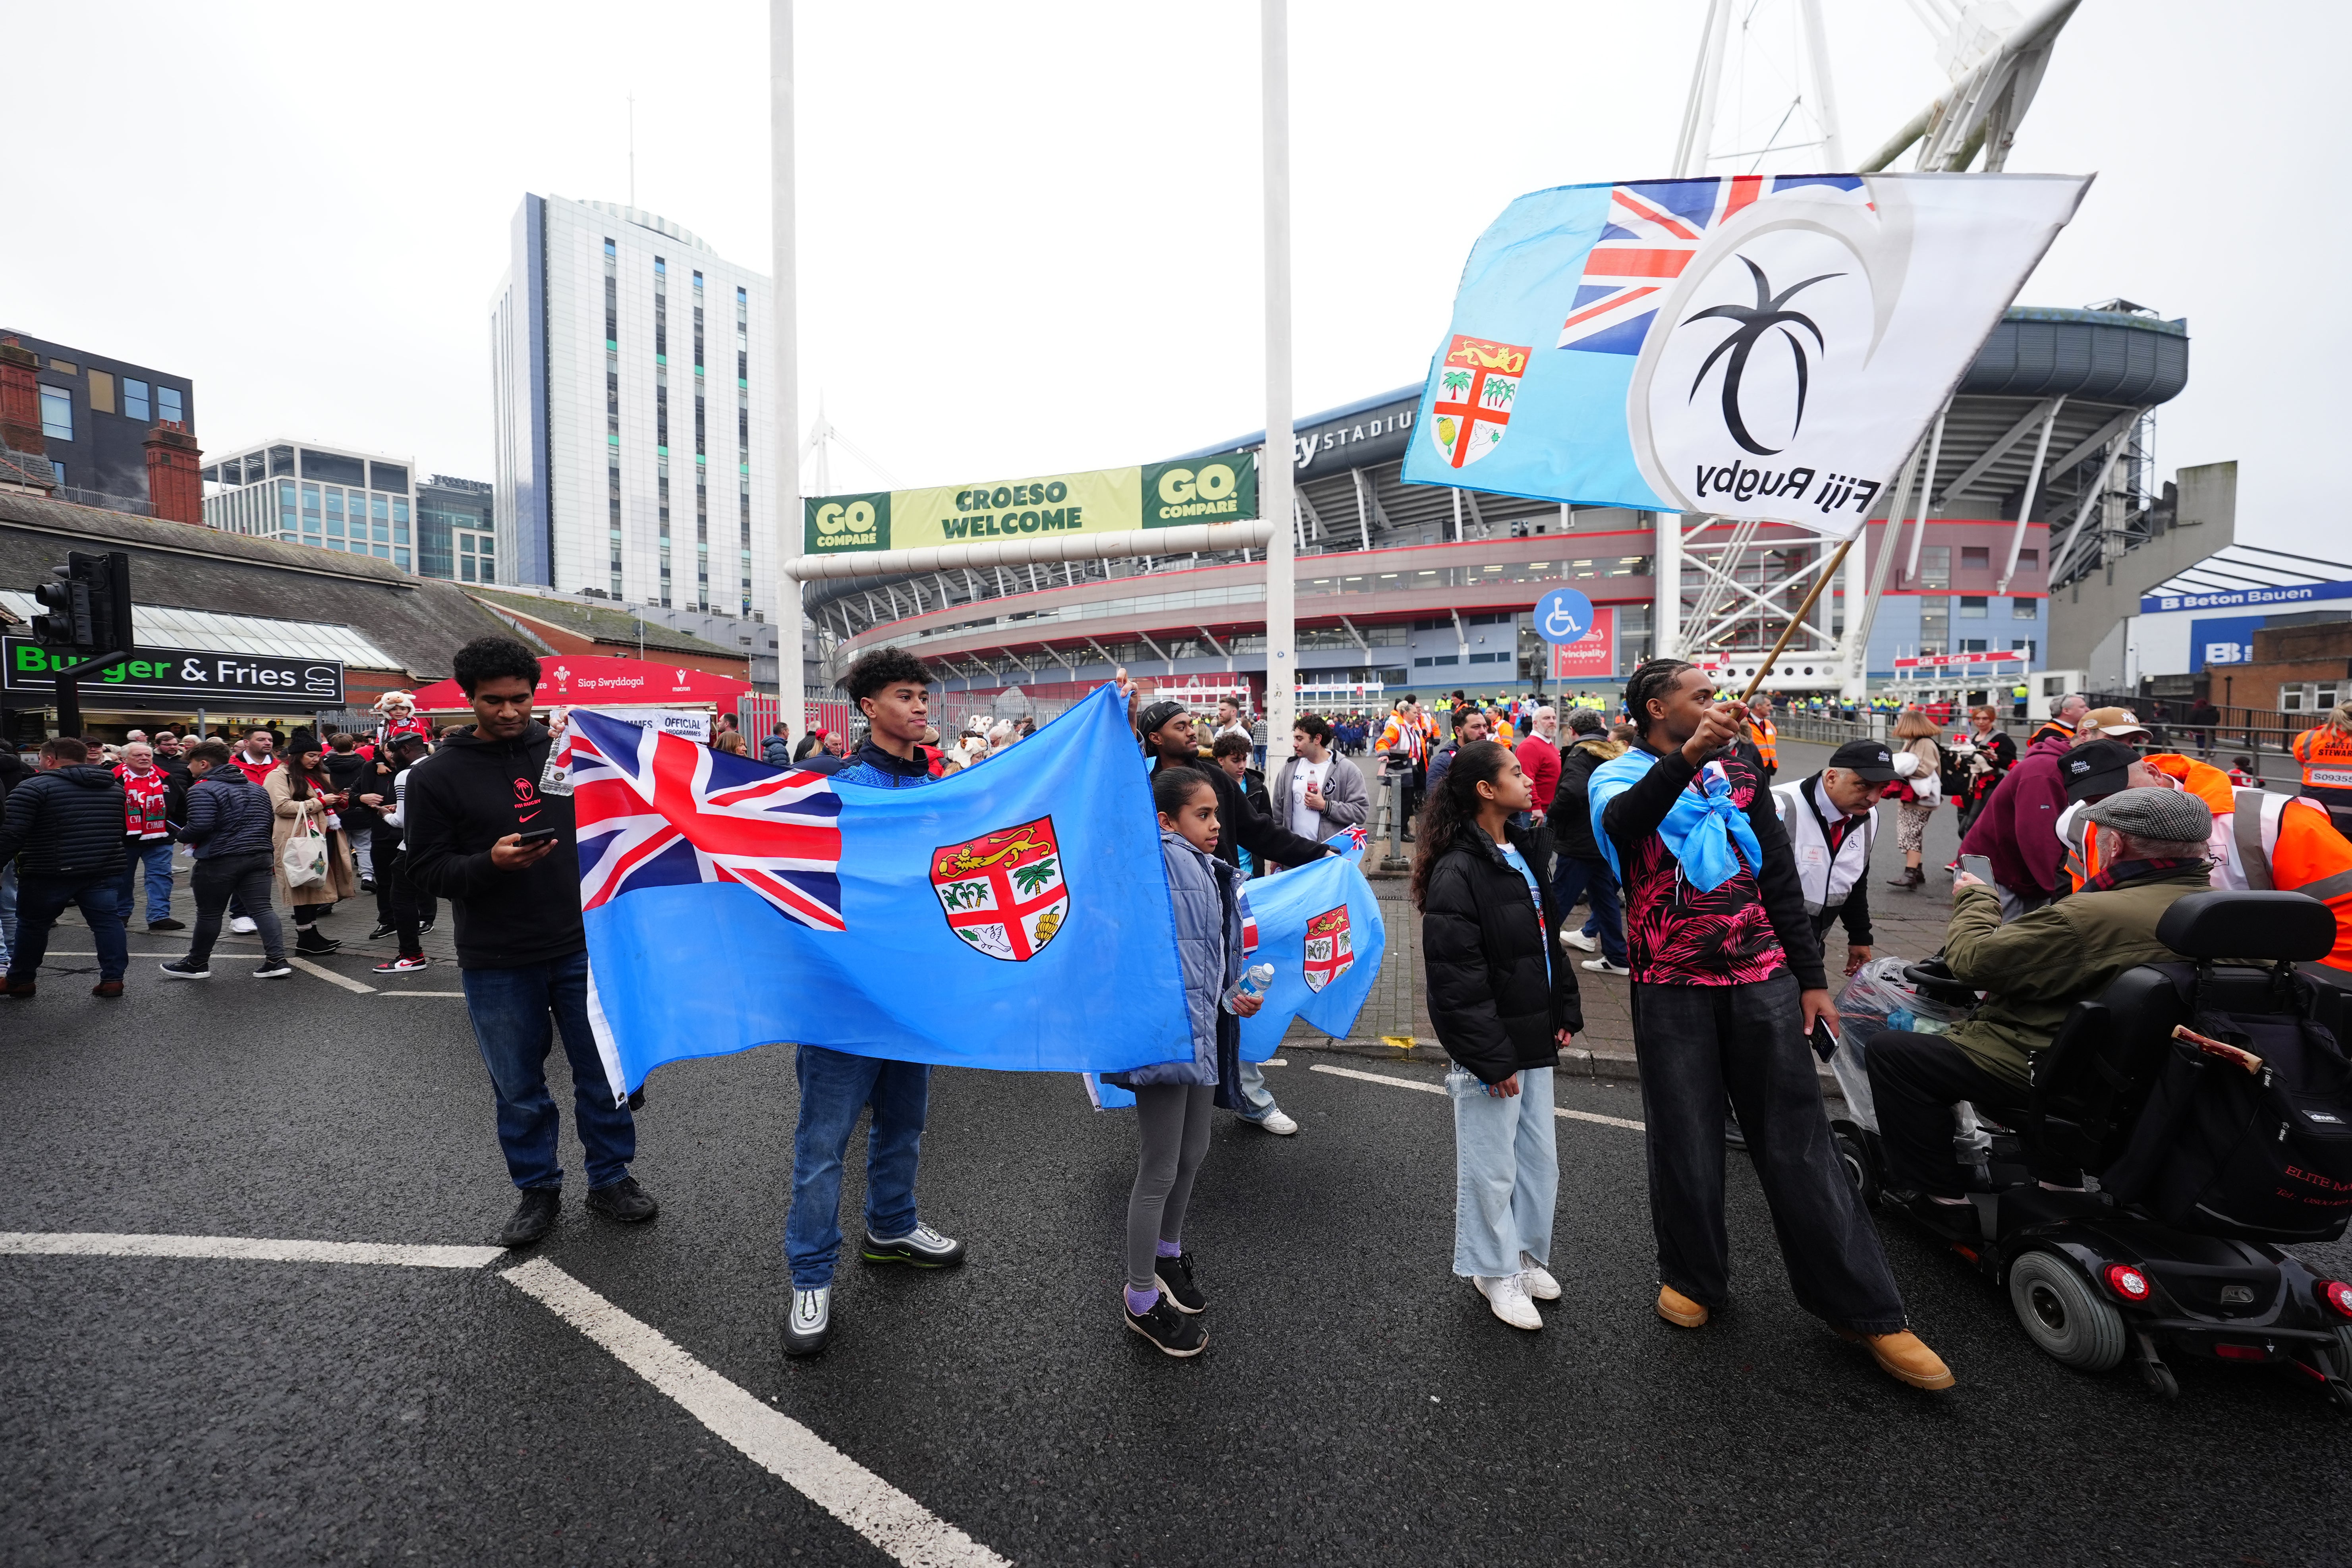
(2261,841)
(2326,754)
(1766,736)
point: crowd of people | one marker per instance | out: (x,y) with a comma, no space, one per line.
(1711,887)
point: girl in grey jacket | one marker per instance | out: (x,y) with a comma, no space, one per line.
(1173,1099)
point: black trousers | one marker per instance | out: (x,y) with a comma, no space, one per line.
(1915,1080)
(391,879)
(1695,1044)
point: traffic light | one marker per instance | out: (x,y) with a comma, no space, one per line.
(109,600)
(90,611)
(67,624)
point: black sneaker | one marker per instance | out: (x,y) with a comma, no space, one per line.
(1176,1282)
(186,969)
(382,931)
(166,924)
(421,929)
(624,1200)
(922,1247)
(309,944)
(1169,1330)
(273,969)
(533,1218)
(810,1323)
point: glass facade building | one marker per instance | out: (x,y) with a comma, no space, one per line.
(456,539)
(362,503)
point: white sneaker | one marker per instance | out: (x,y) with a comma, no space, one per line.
(241,924)
(1508,1298)
(1536,1280)
(1602,966)
(1570,937)
(1274,1121)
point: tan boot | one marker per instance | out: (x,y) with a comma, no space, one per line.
(1904,1357)
(1680,1310)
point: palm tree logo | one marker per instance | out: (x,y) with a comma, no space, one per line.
(1499,391)
(1456,381)
(1768,314)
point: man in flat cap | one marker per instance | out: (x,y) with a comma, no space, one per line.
(2033,970)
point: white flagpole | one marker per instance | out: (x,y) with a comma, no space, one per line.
(791,704)
(1275,471)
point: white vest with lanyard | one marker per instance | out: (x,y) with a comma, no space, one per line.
(1828,875)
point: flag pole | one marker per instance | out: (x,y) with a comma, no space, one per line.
(1828,570)
(792,704)
(1276,470)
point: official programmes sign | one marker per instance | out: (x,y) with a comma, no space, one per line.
(1222,489)
(219,679)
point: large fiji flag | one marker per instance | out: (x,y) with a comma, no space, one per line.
(1766,347)
(1013,917)
(1320,926)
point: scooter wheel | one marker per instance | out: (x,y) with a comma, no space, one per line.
(2063,1315)
(1858,1167)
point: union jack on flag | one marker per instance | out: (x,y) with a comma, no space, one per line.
(658,810)
(1653,230)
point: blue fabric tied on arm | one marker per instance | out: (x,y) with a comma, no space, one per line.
(1702,828)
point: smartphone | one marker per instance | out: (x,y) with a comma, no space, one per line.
(1977,866)
(1825,1040)
(536,836)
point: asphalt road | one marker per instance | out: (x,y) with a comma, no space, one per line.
(1356,1404)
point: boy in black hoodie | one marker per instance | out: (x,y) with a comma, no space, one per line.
(522,952)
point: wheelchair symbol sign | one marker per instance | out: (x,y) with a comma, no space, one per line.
(1563,615)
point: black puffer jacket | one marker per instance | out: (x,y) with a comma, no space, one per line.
(1495,1008)
(1570,812)
(67,821)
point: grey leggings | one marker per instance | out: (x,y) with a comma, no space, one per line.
(1175,1121)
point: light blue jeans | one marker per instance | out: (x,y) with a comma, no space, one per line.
(1255,1094)
(1506,1173)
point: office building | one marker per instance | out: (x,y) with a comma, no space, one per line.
(629,369)
(301,493)
(456,539)
(97,414)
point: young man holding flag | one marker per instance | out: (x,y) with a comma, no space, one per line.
(891,687)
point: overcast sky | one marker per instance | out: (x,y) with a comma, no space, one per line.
(1030,233)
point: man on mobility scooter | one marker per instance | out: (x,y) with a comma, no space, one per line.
(2181,1118)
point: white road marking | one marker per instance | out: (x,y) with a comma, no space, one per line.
(778,1443)
(420,993)
(1275,1062)
(324,973)
(1560,1110)
(245,1249)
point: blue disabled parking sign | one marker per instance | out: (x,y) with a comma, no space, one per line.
(1563,615)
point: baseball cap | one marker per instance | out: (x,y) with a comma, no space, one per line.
(1865,759)
(2111,722)
(2097,768)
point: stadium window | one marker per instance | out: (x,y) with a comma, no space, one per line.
(1972,606)
(1975,558)
(2029,561)
(1936,566)
(2024,610)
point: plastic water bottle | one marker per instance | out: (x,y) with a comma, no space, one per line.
(1253,982)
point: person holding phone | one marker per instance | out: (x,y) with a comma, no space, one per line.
(481,833)
(1727,987)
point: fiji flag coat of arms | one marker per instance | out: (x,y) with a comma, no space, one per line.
(975,922)
(1319,926)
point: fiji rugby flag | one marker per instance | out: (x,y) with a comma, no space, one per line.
(1750,346)
(1319,926)
(1013,917)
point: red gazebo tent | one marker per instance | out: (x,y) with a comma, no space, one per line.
(565,679)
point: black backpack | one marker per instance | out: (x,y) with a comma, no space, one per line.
(2264,1153)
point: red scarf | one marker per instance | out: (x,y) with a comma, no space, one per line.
(143,801)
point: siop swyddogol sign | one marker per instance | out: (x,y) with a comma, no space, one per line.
(181,673)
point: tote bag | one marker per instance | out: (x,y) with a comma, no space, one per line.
(304,859)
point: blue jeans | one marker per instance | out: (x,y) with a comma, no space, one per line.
(1506,1173)
(834,1086)
(41,899)
(157,858)
(1255,1094)
(1576,878)
(511,1009)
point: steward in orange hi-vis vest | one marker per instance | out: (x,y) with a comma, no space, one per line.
(2326,755)
(2261,841)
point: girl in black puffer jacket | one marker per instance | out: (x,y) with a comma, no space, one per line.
(1504,1005)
